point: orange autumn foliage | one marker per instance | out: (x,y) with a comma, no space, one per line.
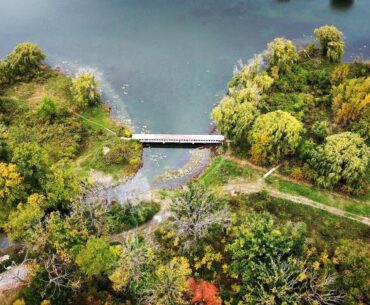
(203,292)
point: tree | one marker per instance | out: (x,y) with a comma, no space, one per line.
(31,160)
(266,259)
(274,136)
(23,62)
(137,257)
(282,53)
(21,222)
(203,292)
(331,42)
(47,110)
(61,185)
(196,212)
(341,162)
(11,189)
(85,90)
(169,284)
(97,257)
(351,101)
(234,119)
(353,261)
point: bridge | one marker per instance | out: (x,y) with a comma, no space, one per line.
(179,138)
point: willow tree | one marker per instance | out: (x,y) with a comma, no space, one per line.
(237,111)
(282,54)
(274,136)
(23,62)
(341,162)
(85,90)
(234,119)
(331,41)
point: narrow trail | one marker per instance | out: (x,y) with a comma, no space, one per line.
(253,187)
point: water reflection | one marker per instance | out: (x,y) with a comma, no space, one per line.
(341,4)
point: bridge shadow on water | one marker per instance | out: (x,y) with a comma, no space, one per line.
(178,145)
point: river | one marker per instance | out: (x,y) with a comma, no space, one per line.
(164,64)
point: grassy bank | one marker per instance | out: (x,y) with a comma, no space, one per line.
(356,207)
(222,170)
(78,136)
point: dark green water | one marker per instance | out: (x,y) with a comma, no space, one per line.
(175,55)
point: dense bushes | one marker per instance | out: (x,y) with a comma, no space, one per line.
(124,218)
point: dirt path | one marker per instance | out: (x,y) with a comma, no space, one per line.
(254,187)
(13,278)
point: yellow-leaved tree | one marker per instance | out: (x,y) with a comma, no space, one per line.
(274,135)
(351,101)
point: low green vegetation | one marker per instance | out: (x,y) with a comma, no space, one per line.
(222,170)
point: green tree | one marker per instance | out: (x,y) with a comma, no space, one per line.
(274,136)
(169,284)
(64,236)
(23,62)
(62,185)
(353,261)
(234,119)
(266,259)
(138,259)
(282,53)
(85,90)
(11,189)
(196,211)
(31,160)
(351,101)
(341,162)
(97,257)
(21,222)
(331,42)
(47,110)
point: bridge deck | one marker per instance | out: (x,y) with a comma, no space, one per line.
(179,138)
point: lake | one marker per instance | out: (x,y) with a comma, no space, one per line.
(164,64)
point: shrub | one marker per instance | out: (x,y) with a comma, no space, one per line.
(320,130)
(124,218)
(47,110)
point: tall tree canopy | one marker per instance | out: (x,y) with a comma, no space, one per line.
(331,42)
(274,135)
(23,62)
(351,101)
(341,162)
(281,53)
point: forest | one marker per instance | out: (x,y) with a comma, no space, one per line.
(299,108)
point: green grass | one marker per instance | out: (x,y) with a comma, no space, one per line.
(350,206)
(98,118)
(326,229)
(221,171)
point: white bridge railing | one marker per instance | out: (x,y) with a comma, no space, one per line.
(179,138)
